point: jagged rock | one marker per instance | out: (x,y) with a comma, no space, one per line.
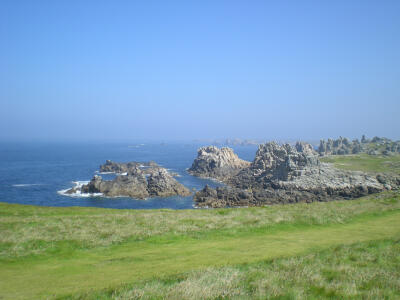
(375,146)
(282,162)
(305,148)
(286,174)
(364,139)
(142,180)
(160,183)
(217,163)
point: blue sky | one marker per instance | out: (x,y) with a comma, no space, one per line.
(119,70)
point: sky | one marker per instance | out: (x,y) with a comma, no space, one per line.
(184,70)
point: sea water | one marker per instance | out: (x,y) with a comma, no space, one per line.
(37,173)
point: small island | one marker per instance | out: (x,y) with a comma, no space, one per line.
(134,179)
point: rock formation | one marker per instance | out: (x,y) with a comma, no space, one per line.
(287,174)
(120,168)
(375,146)
(218,163)
(142,180)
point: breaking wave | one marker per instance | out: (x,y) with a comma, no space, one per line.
(78,193)
(26,184)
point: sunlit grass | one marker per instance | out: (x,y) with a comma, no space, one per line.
(70,269)
(366,163)
(368,270)
(27,230)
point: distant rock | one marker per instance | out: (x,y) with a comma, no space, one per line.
(218,163)
(139,180)
(238,142)
(375,146)
(287,174)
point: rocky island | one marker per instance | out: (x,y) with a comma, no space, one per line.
(136,180)
(286,174)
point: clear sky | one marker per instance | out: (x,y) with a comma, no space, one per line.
(115,70)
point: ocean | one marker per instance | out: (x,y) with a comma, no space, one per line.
(37,173)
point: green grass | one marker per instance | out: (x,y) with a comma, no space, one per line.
(367,270)
(73,266)
(31,230)
(366,163)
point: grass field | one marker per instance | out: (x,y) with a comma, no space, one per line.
(339,249)
(367,270)
(366,163)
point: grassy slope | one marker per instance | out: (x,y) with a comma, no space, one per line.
(138,260)
(30,230)
(70,268)
(367,270)
(59,251)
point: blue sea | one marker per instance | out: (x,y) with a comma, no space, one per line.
(35,173)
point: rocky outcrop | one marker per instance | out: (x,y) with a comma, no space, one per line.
(120,168)
(374,146)
(305,148)
(287,174)
(273,161)
(218,163)
(142,180)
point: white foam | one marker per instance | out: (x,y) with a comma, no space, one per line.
(78,193)
(80,183)
(105,173)
(26,184)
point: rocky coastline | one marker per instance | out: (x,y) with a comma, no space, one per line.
(278,174)
(286,174)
